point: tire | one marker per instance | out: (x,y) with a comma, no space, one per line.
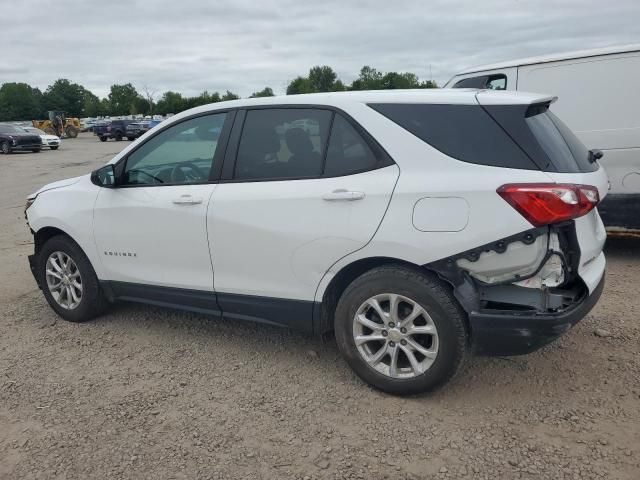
(449,342)
(54,148)
(118,137)
(5,147)
(131,139)
(92,301)
(71,131)
(103,139)
(36,150)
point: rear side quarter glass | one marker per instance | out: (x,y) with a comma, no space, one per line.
(347,152)
(464,132)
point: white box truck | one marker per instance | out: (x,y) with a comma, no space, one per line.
(599,99)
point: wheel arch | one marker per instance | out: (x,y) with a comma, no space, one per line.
(323,315)
(45,233)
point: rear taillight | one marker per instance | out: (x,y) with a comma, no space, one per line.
(546,203)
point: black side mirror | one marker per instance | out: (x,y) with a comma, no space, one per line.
(104,176)
(595,155)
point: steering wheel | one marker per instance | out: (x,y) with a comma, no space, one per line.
(187,171)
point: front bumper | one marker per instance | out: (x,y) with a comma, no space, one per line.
(32,266)
(32,146)
(503,334)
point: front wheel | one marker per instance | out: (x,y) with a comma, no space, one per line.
(401,330)
(103,139)
(5,147)
(68,280)
(118,137)
(54,148)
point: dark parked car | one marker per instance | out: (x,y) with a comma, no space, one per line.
(115,129)
(136,129)
(13,138)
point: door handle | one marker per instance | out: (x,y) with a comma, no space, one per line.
(343,195)
(187,200)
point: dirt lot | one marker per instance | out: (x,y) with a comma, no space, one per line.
(153,393)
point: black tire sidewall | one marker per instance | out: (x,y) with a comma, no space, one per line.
(432,295)
(2,147)
(92,302)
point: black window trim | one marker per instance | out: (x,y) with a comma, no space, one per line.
(214,174)
(383,159)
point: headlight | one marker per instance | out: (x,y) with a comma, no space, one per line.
(29,203)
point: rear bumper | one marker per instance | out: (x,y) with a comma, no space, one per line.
(621,211)
(498,334)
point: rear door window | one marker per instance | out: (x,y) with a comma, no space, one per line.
(282,143)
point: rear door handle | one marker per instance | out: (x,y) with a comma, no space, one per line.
(187,200)
(343,195)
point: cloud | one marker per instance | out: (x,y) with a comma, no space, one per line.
(190,45)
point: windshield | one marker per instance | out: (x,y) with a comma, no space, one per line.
(10,129)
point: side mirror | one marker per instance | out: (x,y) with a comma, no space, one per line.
(104,176)
(595,155)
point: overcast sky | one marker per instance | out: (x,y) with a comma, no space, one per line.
(195,45)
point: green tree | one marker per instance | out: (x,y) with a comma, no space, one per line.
(230,96)
(123,99)
(265,92)
(65,96)
(92,105)
(322,78)
(18,101)
(170,102)
(141,106)
(394,80)
(369,79)
(299,85)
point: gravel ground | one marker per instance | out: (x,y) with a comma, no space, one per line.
(153,393)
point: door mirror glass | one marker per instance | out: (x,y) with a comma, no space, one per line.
(104,176)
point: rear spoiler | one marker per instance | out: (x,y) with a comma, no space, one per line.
(493,97)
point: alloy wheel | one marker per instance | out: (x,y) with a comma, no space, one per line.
(64,280)
(395,335)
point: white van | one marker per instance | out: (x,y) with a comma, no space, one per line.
(598,98)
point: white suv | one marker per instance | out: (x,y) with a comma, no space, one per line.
(417,225)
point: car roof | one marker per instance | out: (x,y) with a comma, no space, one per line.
(554,57)
(446,96)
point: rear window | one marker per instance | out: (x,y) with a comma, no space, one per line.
(509,136)
(565,150)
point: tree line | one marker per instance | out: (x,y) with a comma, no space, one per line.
(20,101)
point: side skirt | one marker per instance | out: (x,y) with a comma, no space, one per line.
(294,314)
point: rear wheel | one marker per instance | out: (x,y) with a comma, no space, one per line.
(68,280)
(35,150)
(401,330)
(103,139)
(131,139)
(5,147)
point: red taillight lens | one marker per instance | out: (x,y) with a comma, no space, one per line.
(546,203)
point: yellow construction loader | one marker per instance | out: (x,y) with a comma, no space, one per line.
(58,124)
